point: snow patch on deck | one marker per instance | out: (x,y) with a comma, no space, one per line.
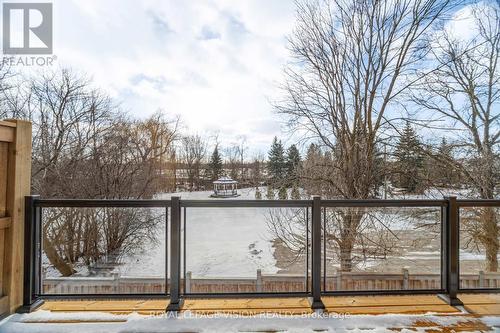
(97,322)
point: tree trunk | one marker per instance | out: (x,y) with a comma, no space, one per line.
(350,222)
(55,259)
(346,258)
(491,242)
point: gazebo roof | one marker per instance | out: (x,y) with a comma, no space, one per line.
(225,180)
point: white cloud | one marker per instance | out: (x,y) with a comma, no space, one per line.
(216,63)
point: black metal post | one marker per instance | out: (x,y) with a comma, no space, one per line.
(175,255)
(31,280)
(451,256)
(315,300)
(324,248)
(307,250)
(444,247)
(167,250)
(184,249)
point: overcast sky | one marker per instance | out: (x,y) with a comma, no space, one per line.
(215,63)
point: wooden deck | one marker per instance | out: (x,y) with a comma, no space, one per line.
(475,305)
(423,313)
(482,304)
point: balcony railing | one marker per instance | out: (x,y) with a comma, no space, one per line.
(312,227)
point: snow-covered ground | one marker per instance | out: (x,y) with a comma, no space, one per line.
(188,322)
(228,242)
(235,242)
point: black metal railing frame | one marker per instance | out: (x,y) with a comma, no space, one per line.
(391,203)
(175,210)
(306,204)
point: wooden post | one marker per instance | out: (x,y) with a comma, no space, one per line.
(339,279)
(116,282)
(481,279)
(406,279)
(188,282)
(258,282)
(15,182)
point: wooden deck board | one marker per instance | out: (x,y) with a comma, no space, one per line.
(415,304)
(382,300)
(480,298)
(481,304)
(115,306)
(484,304)
(394,309)
(245,303)
(420,305)
(243,306)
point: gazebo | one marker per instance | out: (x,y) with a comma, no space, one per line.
(225,187)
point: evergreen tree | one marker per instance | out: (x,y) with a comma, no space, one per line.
(312,170)
(295,194)
(215,165)
(258,194)
(282,193)
(293,162)
(444,174)
(270,193)
(276,164)
(380,172)
(409,161)
(233,173)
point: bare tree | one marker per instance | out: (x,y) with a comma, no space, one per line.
(464,93)
(257,167)
(126,161)
(242,151)
(67,116)
(353,61)
(122,164)
(193,152)
(84,147)
(232,160)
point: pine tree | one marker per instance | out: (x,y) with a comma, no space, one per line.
(409,161)
(270,193)
(312,167)
(292,164)
(258,194)
(215,165)
(444,173)
(295,194)
(282,193)
(276,164)
(380,171)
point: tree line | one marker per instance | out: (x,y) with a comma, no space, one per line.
(355,65)
(84,146)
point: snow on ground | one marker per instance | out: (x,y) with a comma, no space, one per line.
(212,231)
(436,193)
(229,242)
(189,322)
(235,242)
(464,255)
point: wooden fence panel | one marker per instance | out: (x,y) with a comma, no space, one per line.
(268,283)
(15,181)
(4,221)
